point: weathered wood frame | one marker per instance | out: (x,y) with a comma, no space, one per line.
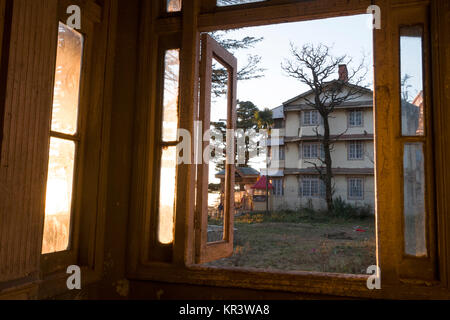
(200,17)
(28,56)
(160,252)
(424,268)
(206,252)
(86,247)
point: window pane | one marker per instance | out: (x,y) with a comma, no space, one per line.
(414,199)
(412,81)
(218,145)
(167,195)
(67,80)
(58,202)
(224,3)
(314,117)
(173,5)
(171,89)
(306,117)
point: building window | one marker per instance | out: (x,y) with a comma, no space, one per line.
(310,118)
(355,150)
(278,123)
(312,187)
(278,189)
(355,118)
(272,153)
(355,188)
(282,153)
(313,151)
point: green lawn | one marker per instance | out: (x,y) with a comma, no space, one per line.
(303,244)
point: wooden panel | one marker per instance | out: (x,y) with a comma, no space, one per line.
(24,157)
(278,12)
(207,252)
(184,228)
(440,39)
(388,221)
(416,267)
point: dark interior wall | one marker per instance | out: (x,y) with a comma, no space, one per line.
(123,105)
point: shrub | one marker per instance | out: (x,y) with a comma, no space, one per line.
(343,209)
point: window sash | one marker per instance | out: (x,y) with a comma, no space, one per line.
(59,213)
(207,252)
(355,188)
(310,117)
(355,118)
(282,153)
(312,187)
(313,151)
(278,187)
(355,150)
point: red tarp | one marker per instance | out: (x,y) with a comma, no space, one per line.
(261,184)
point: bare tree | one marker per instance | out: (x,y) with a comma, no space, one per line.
(315,66)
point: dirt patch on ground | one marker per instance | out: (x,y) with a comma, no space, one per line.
(344,247)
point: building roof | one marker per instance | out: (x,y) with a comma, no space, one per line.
(305,94)
(242,171)
(345,137)
(278,112)
(336,171)
(346,105)
(261,184)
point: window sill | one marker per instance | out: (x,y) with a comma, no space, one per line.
(330,284)
(55,284)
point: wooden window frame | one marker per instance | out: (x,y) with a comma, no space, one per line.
(160,252)
(202,16)
(207,252)
(88,196)
(412,266)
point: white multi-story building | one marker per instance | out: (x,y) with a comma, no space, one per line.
(295,146)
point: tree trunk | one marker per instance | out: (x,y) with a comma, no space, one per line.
(327,178)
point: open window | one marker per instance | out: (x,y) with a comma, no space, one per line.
(73,185)
(212,53)
(397,156)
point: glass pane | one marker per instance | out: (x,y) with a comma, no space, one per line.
(167,195)
(58,203)
(411,81)
(173,5)
(216,179)
(224,3)
(67,80)
(414,199)
(171,89)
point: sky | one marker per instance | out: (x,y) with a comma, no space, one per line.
(349,35)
